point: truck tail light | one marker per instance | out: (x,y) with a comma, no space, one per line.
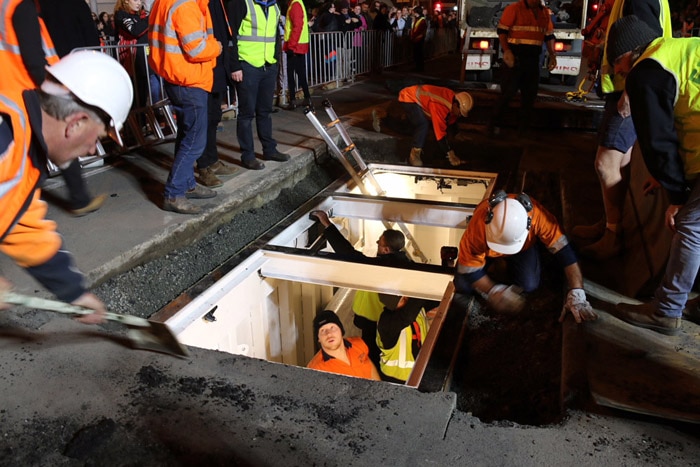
(481,44)
(559,46)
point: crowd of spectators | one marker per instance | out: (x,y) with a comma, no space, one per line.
(685,18)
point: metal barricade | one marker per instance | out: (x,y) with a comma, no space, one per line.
(151,120)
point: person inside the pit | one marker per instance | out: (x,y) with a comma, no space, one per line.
(366,304)
(86,95)
(509,227)
(401,331)
(426,105)
(342,355)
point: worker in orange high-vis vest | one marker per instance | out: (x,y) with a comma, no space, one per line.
(183,53)
(26,49)
(86,95)
(427,105)
(523,28)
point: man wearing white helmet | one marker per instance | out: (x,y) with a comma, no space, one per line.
(86,95)
(510,226)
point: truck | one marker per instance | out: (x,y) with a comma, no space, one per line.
(481,52)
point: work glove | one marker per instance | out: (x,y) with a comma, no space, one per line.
(577,304)
(452,157)
(505,299)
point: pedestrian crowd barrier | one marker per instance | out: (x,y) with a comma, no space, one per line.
(334,58)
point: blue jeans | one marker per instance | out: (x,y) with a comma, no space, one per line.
(255,94)
(684,258)
(190,105)
(419,122)
(524,269)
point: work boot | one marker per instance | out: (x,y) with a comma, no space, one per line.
(223,170)
(200,192)
(609,246)
(647,316)
(454,160)
(691,312)
(277,156)
(180,205)
(94,204)
(376,121)
(414,158)
(208,178)
(589,232)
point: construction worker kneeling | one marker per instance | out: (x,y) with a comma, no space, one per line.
(509,226)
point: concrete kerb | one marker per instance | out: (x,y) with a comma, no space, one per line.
(253,194)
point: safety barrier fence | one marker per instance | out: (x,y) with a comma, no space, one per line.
(334,57)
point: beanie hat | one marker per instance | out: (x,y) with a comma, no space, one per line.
(327,317)
(626,34)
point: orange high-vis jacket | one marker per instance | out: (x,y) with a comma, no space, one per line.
(436,103)
(527,26)
(15,77)
(473,249)
(183,49)
(26,236)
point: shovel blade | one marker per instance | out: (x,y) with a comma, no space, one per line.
(158,338)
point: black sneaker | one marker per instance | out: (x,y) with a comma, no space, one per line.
(253,164)
(277,156)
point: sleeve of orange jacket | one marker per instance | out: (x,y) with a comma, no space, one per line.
(191,27)
(34,244)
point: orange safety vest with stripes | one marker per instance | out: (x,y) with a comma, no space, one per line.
(183,48)
(525,25)
(436,103)
(15,77)
(473,249)
(26,236)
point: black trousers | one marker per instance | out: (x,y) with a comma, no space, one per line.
(78,196)
(523,77)
(296,65)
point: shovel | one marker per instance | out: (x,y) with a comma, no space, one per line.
(143,334)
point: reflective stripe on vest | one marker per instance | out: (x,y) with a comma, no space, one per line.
(304,37)
(422,92)
(610,82)
(20,177)
(168,31)
(257,35)
(681,58)
(398,361)
(15,76)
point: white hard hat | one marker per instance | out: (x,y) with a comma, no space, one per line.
(98,80)
(507,230)
(465,102)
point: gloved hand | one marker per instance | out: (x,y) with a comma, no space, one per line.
(452,157)
(509,58)
(505,299)
(577,304)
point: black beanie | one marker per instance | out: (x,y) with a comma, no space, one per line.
(327,317)
(626,34)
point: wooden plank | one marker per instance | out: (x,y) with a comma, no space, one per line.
(632,368)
